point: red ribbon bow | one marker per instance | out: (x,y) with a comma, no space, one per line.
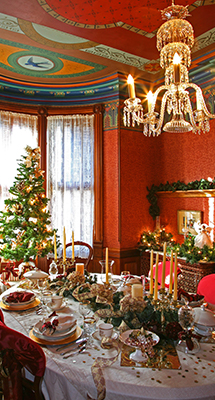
(50,325)
(10,270)
(187,336)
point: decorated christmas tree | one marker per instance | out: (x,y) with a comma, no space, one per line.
(25,222)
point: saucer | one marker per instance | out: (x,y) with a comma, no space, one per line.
(63,305)
(96,336)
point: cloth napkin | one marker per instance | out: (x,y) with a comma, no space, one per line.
(57,324)
(19,297)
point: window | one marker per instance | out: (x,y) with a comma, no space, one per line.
(16,132)
(70,174)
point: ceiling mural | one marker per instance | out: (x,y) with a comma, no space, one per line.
(75,48)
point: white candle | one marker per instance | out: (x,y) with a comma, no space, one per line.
(198,102)
(55,247)
(73,250)
(171,272)
(106,265)
(177,68)
(137,290)
(163,267)
(151,273)
(64,244)
(175,297)
(150,100)
(156,278)
(131,89)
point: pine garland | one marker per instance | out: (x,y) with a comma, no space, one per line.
(154,210)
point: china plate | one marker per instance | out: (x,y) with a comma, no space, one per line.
(71,338)
(123,336)
(96,335)
(55,336)
(20,306)
(63,305)
(22,303)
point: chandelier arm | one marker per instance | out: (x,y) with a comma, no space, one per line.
(190,112)
(162,109)
(198,90)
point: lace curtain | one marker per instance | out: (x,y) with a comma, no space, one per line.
(70,175)
(16,132)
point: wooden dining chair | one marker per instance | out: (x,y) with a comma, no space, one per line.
(19,353)
(86,260)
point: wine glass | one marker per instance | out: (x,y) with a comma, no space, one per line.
(124,276)
(186,320)
(83,308)
(89,328)
(47,299)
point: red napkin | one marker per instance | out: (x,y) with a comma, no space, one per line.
(19,297)
(189,297)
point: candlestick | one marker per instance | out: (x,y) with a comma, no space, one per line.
(106,265)
(151,274)
(171,272)
(55,247)
(131,89)
(163,268)
(185,222)
(175,297)
(156,278)
(64,244)
(73,250)
(137,290)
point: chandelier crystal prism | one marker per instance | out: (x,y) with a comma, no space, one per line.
(175,39)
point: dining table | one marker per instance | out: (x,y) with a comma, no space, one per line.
(73,378)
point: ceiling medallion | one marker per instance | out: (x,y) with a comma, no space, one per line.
(175,38)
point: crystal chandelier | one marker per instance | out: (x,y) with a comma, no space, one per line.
(175,39)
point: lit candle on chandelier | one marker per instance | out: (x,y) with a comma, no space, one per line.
(149,99)
(131,89)
(177,68)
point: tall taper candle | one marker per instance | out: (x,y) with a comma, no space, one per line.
(151,273)
(175,297)
(131,89)
(171,272)
(156,278)
(164,267)
(73,250)
(55,247)
(64,244)
(106,265)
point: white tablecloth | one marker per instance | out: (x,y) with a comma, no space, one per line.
(72,378)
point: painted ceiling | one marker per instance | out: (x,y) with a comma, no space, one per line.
(69,49)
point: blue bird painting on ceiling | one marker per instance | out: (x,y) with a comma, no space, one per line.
(37,64)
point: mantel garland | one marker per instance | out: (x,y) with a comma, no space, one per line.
(154,210)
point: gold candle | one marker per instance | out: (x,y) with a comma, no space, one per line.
(151,273)
(156,278)
(55,247)
(175,297)
(73,250)
(64,244)
(171,272)
(106,265)
(164,267)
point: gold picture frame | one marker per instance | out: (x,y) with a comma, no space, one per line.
(186,220)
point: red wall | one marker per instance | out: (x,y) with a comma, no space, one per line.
(168,157)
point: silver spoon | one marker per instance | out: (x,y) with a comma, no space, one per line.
(81,350)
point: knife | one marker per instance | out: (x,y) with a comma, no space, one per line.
(74,351)
(81,350)
(73,344)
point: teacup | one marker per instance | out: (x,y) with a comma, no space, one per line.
(105,330)
(56,302)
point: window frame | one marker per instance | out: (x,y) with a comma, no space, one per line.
(97,111)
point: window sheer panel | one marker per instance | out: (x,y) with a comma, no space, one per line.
(16,132)
(70,175)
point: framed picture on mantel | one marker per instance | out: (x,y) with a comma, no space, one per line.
(186,220)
